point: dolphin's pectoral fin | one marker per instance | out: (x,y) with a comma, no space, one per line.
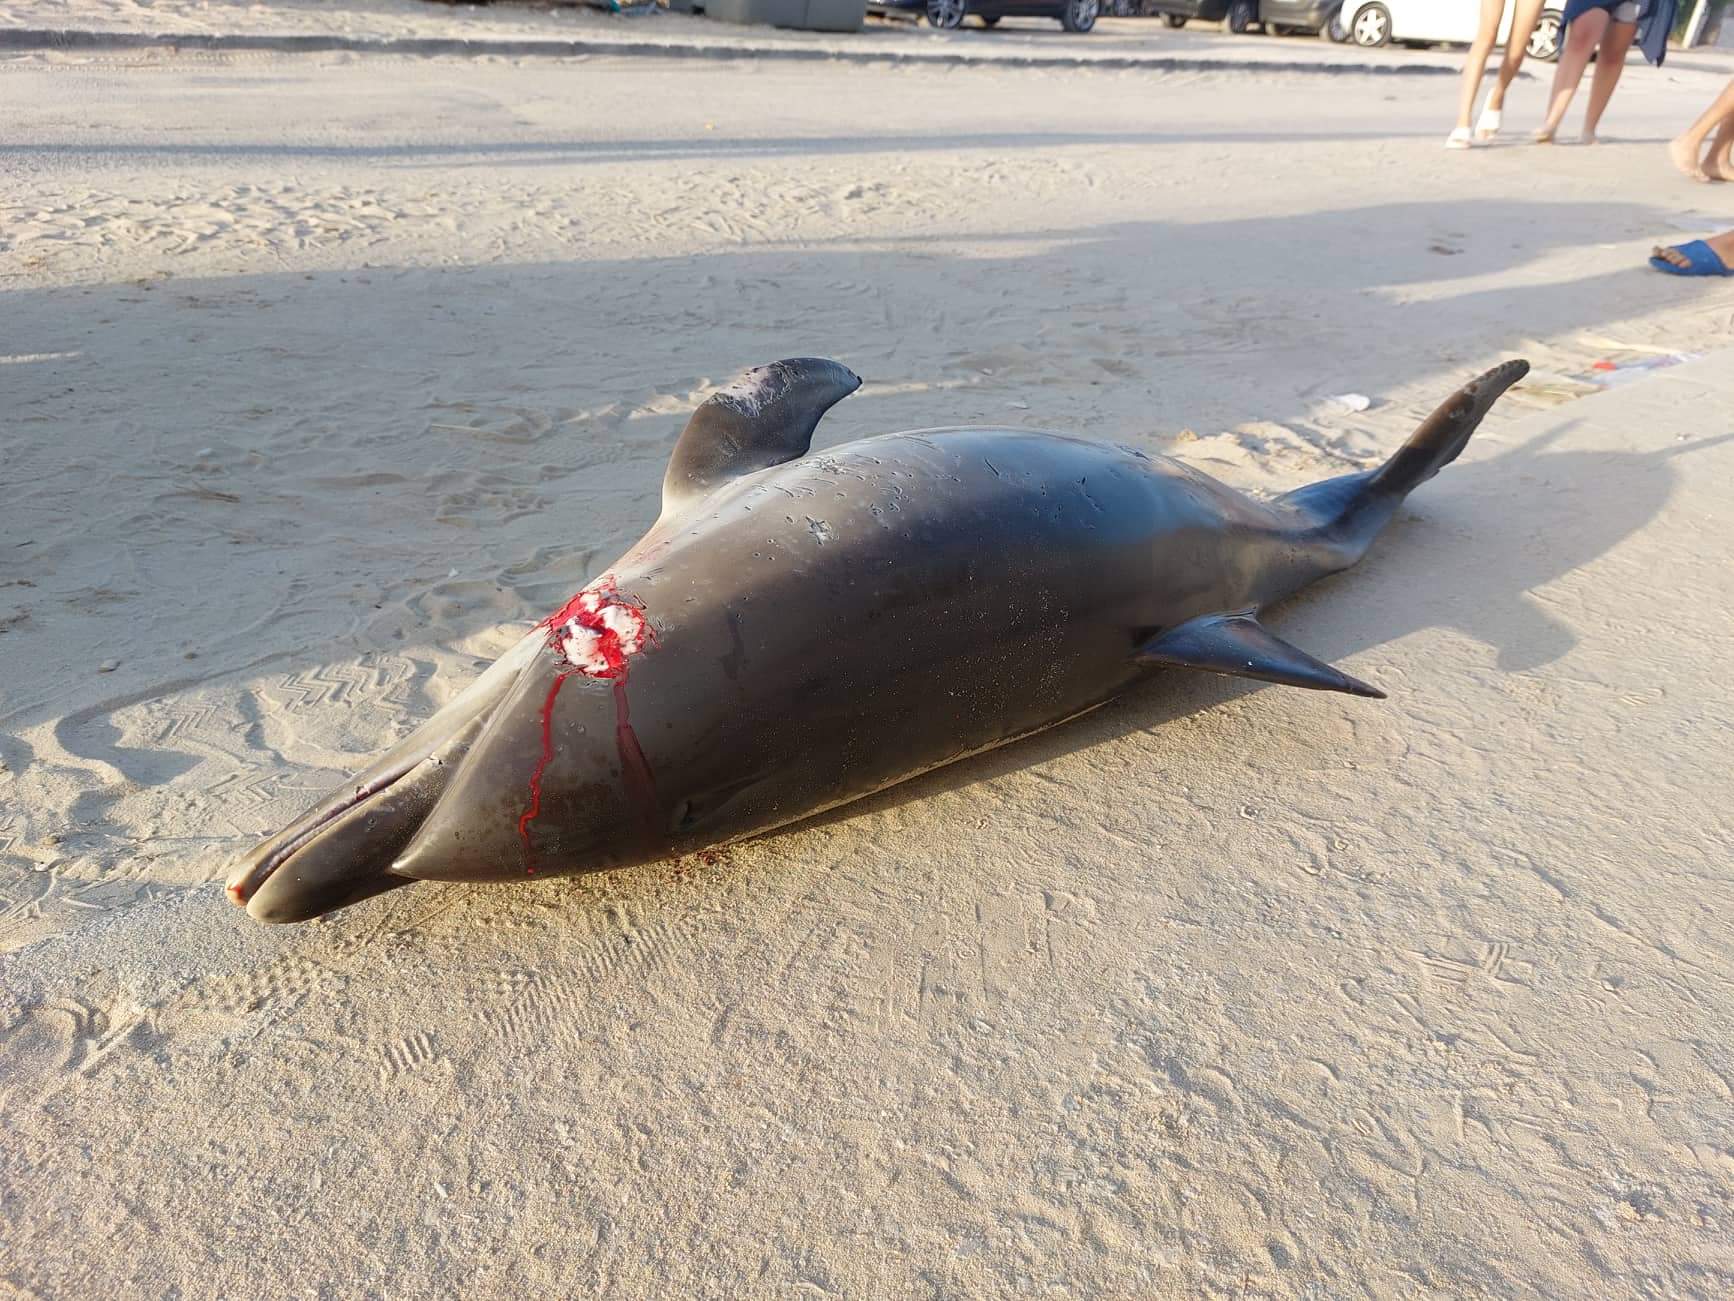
(764,418)
(1240,646)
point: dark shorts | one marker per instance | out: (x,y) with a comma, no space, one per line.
(1620,11)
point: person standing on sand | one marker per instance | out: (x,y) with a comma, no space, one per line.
(1523,22)
(1718,164)
(1605,28)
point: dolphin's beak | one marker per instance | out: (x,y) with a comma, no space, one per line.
(341,850)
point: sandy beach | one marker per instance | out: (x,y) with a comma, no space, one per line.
(326,376)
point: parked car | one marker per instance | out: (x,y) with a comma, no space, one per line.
(1074,15)
(1238,16)
(1310,16)
(1177,13)
(1377,22)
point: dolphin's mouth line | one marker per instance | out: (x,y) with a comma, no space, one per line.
(595,635)
(244,889)
(440,741)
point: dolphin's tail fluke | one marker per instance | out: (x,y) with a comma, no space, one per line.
(1346,514)
(1325,527)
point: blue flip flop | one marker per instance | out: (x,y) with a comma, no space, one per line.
(1702,257)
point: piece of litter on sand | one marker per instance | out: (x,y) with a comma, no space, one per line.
(108,666)
(1610,373)
(1352,401)
(441,1190)
(1018,406)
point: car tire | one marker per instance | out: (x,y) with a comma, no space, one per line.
(1544,41)
(1176,21)
(946,15)
(1241,15)
(1080,15)
(1371,26)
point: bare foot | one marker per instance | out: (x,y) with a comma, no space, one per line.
(1719,169)
(1587,138)
(1543,135)
(1685,156)
(1672,256)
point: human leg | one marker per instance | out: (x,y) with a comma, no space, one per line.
(1580,42)
(1719,162)
(1610,63)
(1475,65)
(1685,148)
(1516,46)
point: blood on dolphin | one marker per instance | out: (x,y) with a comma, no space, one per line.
(595,635)
(598,630)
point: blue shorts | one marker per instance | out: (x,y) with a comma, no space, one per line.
(1620,11)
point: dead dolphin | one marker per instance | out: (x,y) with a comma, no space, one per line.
(799,630)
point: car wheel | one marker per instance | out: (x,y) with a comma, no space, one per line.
(947,15)
(1080,15)
(1544,40)
(1371,26)
(1241,15)
(1176,21)
(1333,30)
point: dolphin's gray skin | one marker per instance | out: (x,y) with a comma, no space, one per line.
(797,631)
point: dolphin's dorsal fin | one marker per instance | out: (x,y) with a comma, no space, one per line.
(764,418)
(1240,646)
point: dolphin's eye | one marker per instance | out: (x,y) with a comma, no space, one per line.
(597,631)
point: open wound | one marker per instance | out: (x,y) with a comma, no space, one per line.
(594,634)
(597,631)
